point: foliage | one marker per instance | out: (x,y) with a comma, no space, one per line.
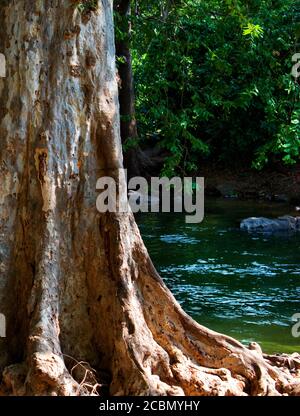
(85,6)
(213,80)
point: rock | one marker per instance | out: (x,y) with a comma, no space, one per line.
(267,225)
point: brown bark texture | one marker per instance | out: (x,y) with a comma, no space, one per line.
(86,311)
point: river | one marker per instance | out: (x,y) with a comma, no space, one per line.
(246,286)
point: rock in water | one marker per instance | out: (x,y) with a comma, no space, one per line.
(267,225)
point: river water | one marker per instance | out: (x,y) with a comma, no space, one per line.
(246,286)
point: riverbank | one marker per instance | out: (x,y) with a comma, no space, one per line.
(281,185)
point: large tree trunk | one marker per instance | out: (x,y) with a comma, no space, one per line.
(77,285)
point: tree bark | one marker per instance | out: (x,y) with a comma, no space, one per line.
(84,305)
(126,91)
(135,160)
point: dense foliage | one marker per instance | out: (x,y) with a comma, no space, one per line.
(213,80)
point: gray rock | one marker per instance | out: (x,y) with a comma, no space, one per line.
(267,225)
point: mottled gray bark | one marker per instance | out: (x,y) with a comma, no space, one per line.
(77,285)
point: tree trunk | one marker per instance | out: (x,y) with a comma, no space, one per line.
(135,160)
(126,92)
(84,305)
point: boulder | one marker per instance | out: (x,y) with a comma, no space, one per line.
(267,225)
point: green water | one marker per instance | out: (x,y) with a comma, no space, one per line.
(247,286)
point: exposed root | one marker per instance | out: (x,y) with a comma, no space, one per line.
(74,282)
(86,377)
(155,349)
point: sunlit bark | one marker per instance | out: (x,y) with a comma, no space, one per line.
(77,285)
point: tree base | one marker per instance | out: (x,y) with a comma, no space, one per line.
(86,311)
(157,349)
